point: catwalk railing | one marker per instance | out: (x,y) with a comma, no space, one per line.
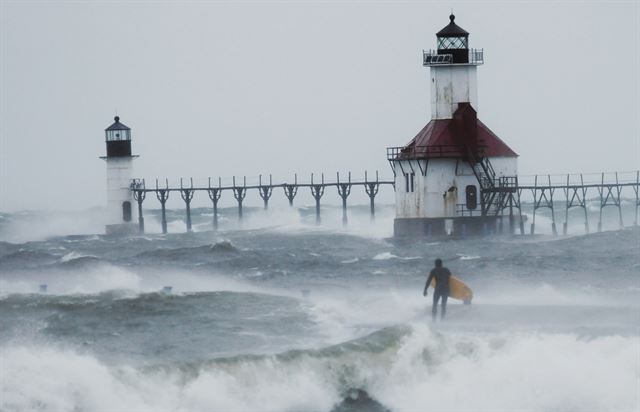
(433,58)
(265,187)
(552,192)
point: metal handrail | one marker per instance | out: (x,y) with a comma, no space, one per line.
(462,210)
(433,58)
(427,152)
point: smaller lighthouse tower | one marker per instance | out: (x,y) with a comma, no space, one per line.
(120,213)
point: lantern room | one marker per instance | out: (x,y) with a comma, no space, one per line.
(118,138)
(454,40)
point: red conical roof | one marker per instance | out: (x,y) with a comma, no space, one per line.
(438,139)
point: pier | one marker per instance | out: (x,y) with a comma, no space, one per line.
(556,193)
(574,190)
(264,187)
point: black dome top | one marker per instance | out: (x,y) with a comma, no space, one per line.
(452,29)
(117,125)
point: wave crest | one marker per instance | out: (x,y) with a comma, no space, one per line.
(398,367)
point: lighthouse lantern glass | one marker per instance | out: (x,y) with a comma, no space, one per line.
(448,43)
(115,135)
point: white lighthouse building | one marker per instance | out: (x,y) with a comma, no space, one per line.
(120,210)
(456,175)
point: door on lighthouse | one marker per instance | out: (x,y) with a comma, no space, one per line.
(471,193)
(126,211)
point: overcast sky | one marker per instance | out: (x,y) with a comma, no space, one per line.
(223,88)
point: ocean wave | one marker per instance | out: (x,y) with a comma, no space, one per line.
(73,256)
(395,369)
(221,247)
(7,248)
(25,258)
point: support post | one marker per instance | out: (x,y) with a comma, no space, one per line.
(344,189)
(584,204)
(265,191)
(317,190)
(619,202)
(553,215)
(371,188)
(636,189)
(602,202)
(139,193)
(187,195)
(575,196)
(512,229)
(214,195)
(546,196)
(610,199)
(163,195)
(535,204)
(290,191)
(239,192)
(566,210)
(520,222)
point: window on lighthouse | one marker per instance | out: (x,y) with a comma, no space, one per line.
(409,180)
(453,43)
(114,135)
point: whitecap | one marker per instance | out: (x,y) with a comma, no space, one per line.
(389,255)
(384,256)
(73,256)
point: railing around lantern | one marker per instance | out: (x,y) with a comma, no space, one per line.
(432,58)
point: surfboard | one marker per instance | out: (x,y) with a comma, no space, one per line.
(457,289)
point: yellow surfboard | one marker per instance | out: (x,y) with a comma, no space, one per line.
(457,289)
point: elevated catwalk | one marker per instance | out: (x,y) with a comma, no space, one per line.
(557,193)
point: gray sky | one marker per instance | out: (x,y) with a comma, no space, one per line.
(221,88)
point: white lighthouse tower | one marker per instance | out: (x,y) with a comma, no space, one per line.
(455,175)
(120,212)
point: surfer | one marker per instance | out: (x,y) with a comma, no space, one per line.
(441,275)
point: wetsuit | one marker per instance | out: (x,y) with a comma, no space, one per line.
(442,275)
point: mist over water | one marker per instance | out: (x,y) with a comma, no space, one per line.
(278,314)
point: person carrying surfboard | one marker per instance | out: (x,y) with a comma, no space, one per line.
(442,276)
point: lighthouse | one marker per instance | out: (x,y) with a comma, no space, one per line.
(119,161)
(455,176)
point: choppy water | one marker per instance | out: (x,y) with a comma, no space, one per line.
(279,315)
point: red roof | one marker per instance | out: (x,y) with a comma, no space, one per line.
(444,137)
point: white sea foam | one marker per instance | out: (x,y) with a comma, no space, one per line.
(536,372)
(389,255)
(384,256)
(72,256)
(470,257)
(35,226)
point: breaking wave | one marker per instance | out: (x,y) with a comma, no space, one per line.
(221,247)
(396,368)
